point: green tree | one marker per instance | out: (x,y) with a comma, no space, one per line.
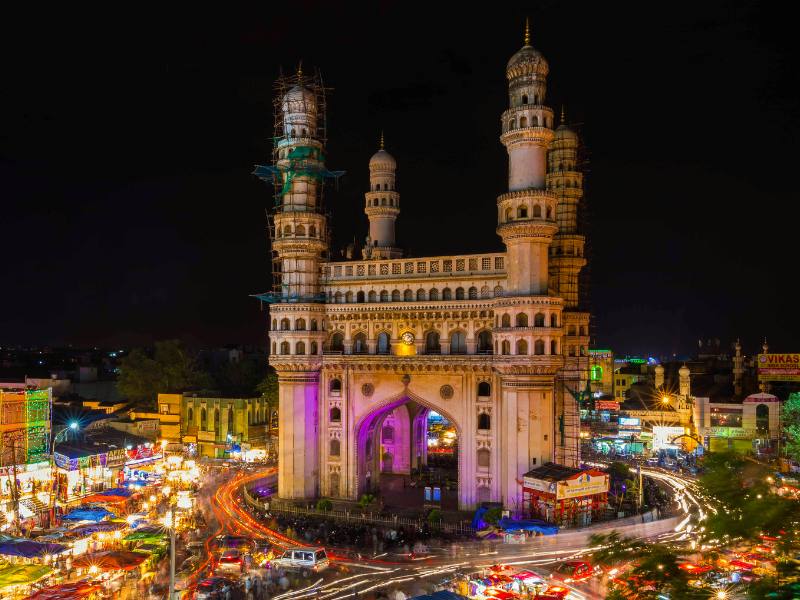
(242,378)
(791,425)
(268,388)
(170,370)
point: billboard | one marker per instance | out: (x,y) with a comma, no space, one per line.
(778,367)
(663,436)
(606,405)
(629,422)
(585,484)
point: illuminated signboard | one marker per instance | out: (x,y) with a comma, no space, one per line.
(629,422)
(778,367)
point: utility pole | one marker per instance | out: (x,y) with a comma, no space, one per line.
(14,490)
(640,498)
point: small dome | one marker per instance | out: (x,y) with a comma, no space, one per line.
(659,369)
(527,61)
(299,99)
(684,371)
(563,132)
(382,159)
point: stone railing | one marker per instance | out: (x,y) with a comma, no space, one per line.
(437,267)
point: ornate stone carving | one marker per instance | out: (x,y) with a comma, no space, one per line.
(446,392)
(367,390)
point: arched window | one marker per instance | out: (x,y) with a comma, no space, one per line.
(216,419)
(534,121)
(498,291)
(300,324)
(432,345)
(511,124)
(274,348)
(360,343)
(537,211)
(287,230)
(274,324)
(582,330)
(522,320)
(509,214)
(360,297)
(506,347)
(337,297)
(335,446)
(473,293)
(458,342)
(572,350)
(459,293)
(522,347)
(190,416)
(447,294)
(484,389)
(485,342)
(313,324)
(373,296)
(553,320)
(538,320)
(523,121)
(484,421)
(300,348)
(421,294)
(334,479)
(284,324)
(553,347)
(203,420)
(348,297)
(571,330)
(433,294)
(485,292)
(387,435)
(549,213)
(300,230)
(538,347)
(284,347)
(383,201)
(505,320)
(383,343)
(336,414)
(230,420)
(484,457)
(522,212)
(335,387)
(314,348)
(384,296)
(762,418)
(396,296)
(408,296)
(337,342)
(524,98)
(312,231)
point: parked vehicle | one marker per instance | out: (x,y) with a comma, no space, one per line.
(306,560)
(214,588)
(573,571)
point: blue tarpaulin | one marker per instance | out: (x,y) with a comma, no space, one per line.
(29,548)
(542,527)
(88,514)
(442,595)
(121,491)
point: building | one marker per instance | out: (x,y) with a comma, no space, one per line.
(752,425)
(564,495)
(221,426)
(83,468)
(601,373)
(168,415)
(489,341)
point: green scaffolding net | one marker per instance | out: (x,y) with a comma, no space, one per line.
(301,161)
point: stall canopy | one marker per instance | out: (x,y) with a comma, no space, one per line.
(90,528)
(68,591)
(537,525)
(100,498)
(88,514)
(22,574)
(442,595)
(145,534)
(111,560)
(29,548)
(120,491)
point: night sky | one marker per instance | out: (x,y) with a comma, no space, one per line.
(128,137)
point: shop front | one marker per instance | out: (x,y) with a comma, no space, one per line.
(81,471)
(563,495)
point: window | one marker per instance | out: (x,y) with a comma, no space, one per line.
(408,296)
(506,347)
(459,293)
(523,121)
(314,348)
(433,294)
(373,296)
(554,320)
(360,297)
(300,348)
(335,387)
(337,297)
(336,414)
(537,211)
(447,294)
(230,420)
(553,347)
(458,343)
(384,296)
(505,320)
(484,458)
(484,389)
(486,263)
(313,324)
(274,324)
(538,347)
(335,446)
(484,421)
(524,98)
(498,291)
(190,415)
(421,295)
(571,330)
(203,420)
(300,230)
(337,342)
(762,418)
(216,419)
(300,324)
(284,347)
(522,347)
(538,320)
(432,345)
(473,293)
(312,231)
(164,409)
(284,324)
(360,343)
(348,297)
(388,434)
(396,297)
(485,342)
(383,343)
(522,212)
(522,320)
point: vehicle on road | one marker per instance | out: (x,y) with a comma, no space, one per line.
(554,592)
(230,562)
(214,588)
(573,571)
(305,560)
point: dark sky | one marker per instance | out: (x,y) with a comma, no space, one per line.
(128,136)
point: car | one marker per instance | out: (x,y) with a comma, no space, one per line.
(214,588)
(229,562)
(305,560)
(573,571)
(554,592)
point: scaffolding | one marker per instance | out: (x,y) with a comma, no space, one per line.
(296,153)
(569,421)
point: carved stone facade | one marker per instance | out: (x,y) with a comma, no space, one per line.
(489,341)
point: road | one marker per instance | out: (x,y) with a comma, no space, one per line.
(541,554)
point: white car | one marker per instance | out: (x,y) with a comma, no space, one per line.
(306,560)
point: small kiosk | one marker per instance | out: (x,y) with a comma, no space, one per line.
(563,495)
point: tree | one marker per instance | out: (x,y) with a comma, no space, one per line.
(241,378)
(268,388)
(170,370)
(791,425)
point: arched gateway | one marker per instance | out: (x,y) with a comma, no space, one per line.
(367,348)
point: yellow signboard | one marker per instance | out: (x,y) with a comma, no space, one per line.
(778,367)
(583,485)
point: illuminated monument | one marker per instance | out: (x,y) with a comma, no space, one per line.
(366,350)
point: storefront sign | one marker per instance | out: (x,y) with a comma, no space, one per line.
(665,435)
(731,432)
(778,367)
(206,436)
(606,405)
(539,485)
(629,422)
(583,485)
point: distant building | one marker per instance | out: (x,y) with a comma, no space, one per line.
(601,372)
(750,425)
(219,426)
(168,415)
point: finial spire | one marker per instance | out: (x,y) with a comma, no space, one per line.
(527,31)
(300,68)
(563,117)
(381,139)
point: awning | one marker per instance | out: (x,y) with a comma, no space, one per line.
(67,591)
(111,560)
(29,548)
(95,498)
(88,514)
(90,528)
(22,574)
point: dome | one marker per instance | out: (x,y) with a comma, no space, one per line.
(684,371)
(762,397)
(563,132)
(527,61)
(382,159)
(299,99)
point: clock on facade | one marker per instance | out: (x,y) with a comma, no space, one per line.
(407,338)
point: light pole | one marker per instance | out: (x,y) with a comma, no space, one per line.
(169,523)
(73,425)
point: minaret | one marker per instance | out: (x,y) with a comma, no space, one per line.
(684,381)
(738,369)
(526,214)
(659,383)
(763,386)
(382,206)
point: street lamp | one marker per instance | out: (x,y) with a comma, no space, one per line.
(170,521)
(71,426)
